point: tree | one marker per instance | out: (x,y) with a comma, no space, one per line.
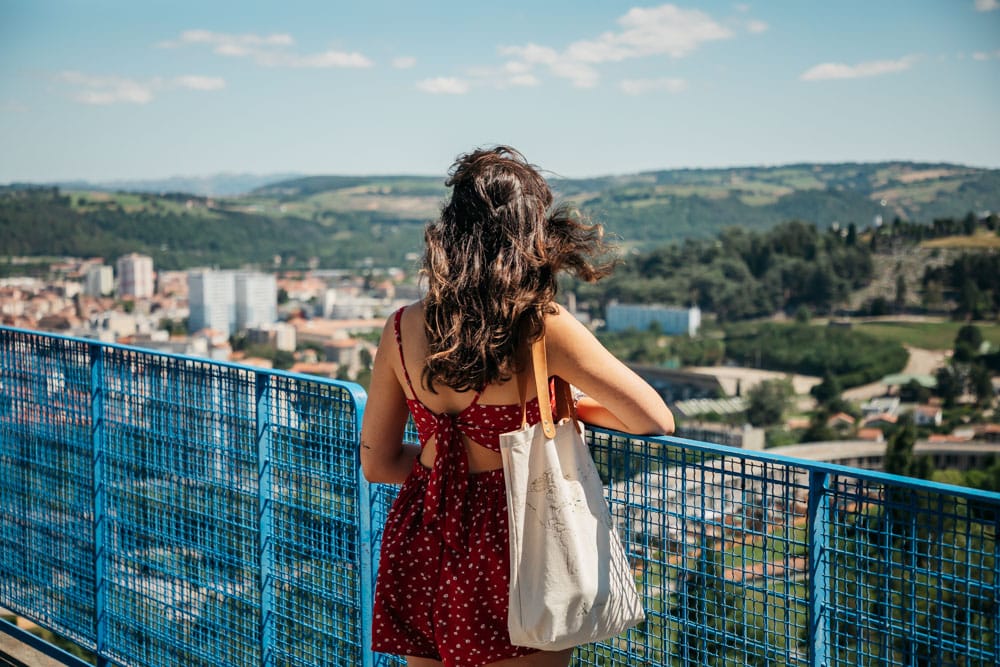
(970,334)
(949,385)
(900,292)
(827,390)
(982,384)
(899,450)
(914,392)
(766,402)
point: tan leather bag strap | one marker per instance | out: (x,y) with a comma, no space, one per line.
(540,368)
(564,396)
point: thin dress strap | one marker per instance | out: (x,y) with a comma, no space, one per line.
(402,361)
(399,344)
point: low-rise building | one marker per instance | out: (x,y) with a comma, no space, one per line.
(671,320)
(927,415)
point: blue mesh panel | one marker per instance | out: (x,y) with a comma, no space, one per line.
(315,532)
(46,483)
(182,541)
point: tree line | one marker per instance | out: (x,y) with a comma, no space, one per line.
(744,274)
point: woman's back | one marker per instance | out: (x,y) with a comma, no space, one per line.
(480,416)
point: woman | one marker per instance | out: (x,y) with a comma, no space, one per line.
(451,360)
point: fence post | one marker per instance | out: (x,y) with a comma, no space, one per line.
(366,547)
(265,513)
(996,587)
(818,518)
(100,520)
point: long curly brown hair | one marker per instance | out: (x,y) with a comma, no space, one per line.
(492,262)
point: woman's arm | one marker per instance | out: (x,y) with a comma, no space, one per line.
(617,398)
(384,456)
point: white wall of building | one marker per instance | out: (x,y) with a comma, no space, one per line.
(100,280)
(672,321)
(212,300)
(135,276)
(256,299)
(231,301)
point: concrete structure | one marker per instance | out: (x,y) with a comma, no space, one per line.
(280,336)
(100,280)
(881,405)
(256,299)
(675,385)
(230,301)
(212,300)
(672,321)
(135,276)
(869,455)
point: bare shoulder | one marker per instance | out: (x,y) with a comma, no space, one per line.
(562,329)
(412,317)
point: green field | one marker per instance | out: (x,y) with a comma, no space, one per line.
(980,241)
(927,335)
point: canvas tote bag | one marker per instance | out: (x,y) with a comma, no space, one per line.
(570,581)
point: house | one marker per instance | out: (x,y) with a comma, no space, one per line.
(870,434)
(841,421)
(794,423)
(927,415)
(989,432)
(880,421)
(955,436)
(881,405)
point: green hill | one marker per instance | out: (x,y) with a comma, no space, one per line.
(346,220)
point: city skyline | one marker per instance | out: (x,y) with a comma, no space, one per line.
(123,90)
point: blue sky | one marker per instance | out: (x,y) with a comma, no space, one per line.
(123,89)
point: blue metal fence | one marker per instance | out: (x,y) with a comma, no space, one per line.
(167,510)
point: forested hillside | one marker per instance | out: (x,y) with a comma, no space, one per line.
(743,274)
(347,221)
(180,231)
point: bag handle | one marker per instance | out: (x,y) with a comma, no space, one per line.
(564,397)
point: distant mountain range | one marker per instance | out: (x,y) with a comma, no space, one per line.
(215,185)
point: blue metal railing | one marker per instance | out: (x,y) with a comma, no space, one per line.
(167,510)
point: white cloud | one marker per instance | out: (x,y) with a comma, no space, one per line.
(666,30)
(267,50)
(317,60)
(404,62)
(987,5)
(640,86)
(986,55)
(825,71)
(757,27)
(105,90)
(523,80)
(444,85)
(195,82)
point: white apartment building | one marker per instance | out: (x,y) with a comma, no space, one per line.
(672,321)
(256,299)
(135,276)
(212,300)
(230,301)
(100,280)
